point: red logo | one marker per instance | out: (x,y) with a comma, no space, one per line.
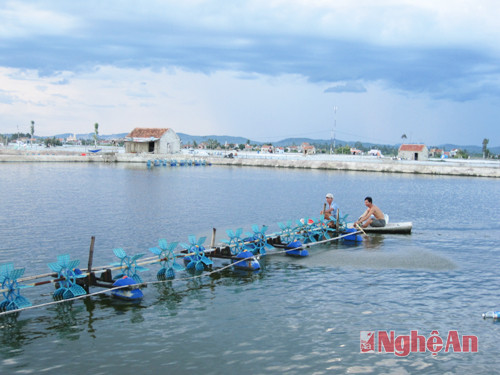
(367,341)
(403,345)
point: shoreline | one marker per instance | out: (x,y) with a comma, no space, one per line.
(384,165)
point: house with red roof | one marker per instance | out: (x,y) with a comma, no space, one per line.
(413,152)
(152,140)
(308,149)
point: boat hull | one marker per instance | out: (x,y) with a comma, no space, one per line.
(391,228)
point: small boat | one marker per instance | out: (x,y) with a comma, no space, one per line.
(391,228)
(96,150)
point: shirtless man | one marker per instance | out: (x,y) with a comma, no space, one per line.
(379,220)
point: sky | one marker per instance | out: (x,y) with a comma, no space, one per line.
(353,70)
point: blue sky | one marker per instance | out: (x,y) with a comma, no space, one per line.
(264,70)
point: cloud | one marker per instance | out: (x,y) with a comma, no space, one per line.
(6,97)
(416,48)
(354,87)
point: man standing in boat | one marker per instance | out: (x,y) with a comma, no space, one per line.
(378,221)
(330,208)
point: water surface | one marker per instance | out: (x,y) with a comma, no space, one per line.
(295,316)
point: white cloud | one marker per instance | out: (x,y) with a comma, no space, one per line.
(22,20)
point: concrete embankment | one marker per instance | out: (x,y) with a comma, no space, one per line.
(376,165)
(387,166)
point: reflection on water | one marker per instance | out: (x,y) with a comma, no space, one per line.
(373,242)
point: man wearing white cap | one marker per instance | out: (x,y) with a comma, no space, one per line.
(330,207)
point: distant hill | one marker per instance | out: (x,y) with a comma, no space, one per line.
(222,139)
(91,136)
(471,149)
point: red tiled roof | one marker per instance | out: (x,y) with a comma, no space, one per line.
(412,148)
(147,132)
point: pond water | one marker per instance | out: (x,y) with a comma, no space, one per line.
(294,316)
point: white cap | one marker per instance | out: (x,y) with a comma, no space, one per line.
(329,195)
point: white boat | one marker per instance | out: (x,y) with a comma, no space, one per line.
(397,228)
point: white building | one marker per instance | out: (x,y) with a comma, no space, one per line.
(413,152)
(152,140)
(375,152)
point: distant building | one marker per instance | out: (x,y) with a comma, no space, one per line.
(435,152)
(375,152)
(355,151)
(152,140)
(308,149)
(267,148)
(413,152)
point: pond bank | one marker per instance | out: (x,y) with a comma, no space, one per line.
(366,165)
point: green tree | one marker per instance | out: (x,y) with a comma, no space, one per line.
(486,152)
(96,133)
(32,131)
(346,149)
(359,145)
(52,142)
(212,144)
(195,145)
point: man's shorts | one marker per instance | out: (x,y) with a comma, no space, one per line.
(377,223)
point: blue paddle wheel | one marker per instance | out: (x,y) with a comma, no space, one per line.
(196,258)
(128,265)
(235,243)
(343,222)
(242,257)
(259,242)
(307,229)
(13,299)
(67,273)
(288,233)
(323,228)
(173,163)
(167,258)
